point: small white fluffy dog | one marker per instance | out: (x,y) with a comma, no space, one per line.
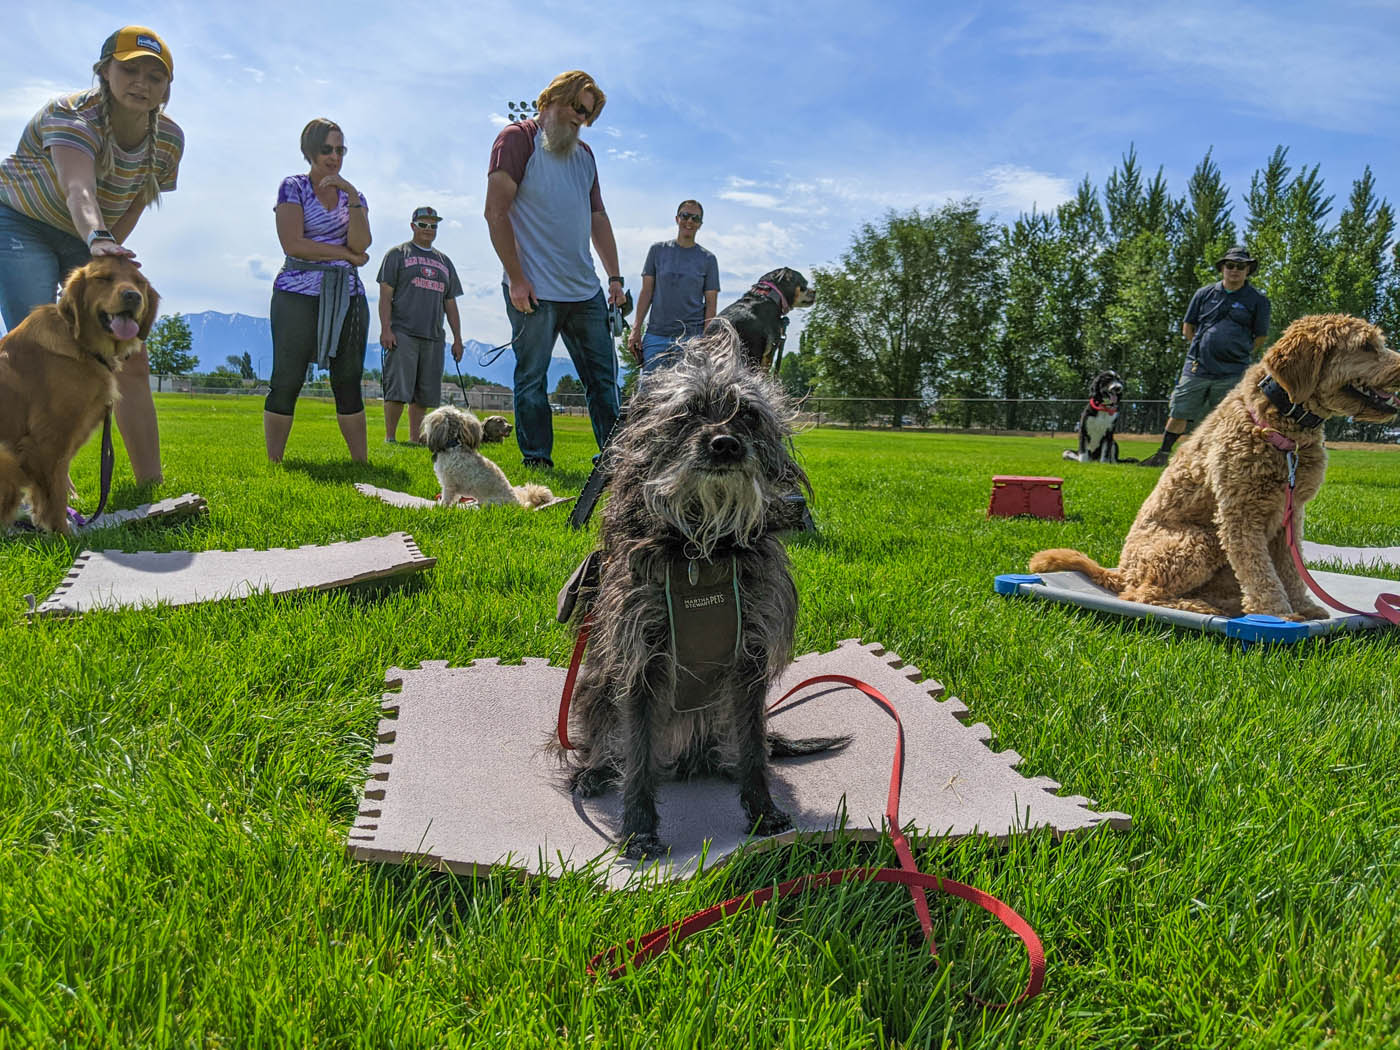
(453,437)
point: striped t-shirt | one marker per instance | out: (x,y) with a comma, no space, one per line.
(29,180)
(318,224)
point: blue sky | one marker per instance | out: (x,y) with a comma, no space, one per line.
(793,126)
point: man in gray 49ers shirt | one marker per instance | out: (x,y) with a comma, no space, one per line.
(543,207)
(417,286)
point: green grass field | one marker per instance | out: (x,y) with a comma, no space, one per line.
(179,785)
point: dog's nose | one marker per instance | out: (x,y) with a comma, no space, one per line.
(726,447)
(131,300)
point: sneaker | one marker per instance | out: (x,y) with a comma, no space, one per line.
(538,463)
(1157,459)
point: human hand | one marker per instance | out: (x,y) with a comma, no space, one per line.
(340,183)
(457,350)
(357,258)
(634,345)
(522,295)
(105,247)
(616,294)
(387,339)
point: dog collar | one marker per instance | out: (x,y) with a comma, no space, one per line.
(1102,408)
(1291,412)
(1272,436)
(771,287)
(454,443)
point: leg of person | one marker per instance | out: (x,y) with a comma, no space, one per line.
(658,351)
(533,336)
(135,413)
(590,345)
(30,266)
(398,389)
(347,373)
(293,319)
(1184,403)
(427,395)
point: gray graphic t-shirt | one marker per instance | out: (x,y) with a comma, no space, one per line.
(422,279)
(683,276)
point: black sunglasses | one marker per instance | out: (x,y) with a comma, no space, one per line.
(426,225)
(690,216)
(339,151)
(1236,266)
(582,111)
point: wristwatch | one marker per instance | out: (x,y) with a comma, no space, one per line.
(99,235)
(619,280)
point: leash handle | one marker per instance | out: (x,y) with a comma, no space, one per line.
(642,949)
(1387,605)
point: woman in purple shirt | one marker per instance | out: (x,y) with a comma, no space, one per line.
(319,312)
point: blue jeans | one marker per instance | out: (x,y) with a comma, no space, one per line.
(659,351)
(34,259)
(584,327)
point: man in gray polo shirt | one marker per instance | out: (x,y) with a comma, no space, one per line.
(417,285)
(543,206)
(680,286)
(1225,323)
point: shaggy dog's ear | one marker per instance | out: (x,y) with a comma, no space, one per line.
(70,306)
(148,318)
(1296,359)
(470,431)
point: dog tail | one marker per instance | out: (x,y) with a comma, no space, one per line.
(1062,560)
(780,746)
(533,496)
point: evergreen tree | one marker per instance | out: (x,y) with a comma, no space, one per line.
(1286,234)
(1358,263)
(1207,231)
(168,347)
(1075,299)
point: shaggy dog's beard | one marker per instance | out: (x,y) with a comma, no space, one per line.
(708,506)
(558,136)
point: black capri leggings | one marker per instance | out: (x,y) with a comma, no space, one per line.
(294,347)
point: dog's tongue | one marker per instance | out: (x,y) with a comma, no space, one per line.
(124,327)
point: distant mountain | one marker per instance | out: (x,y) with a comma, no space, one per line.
(216,335)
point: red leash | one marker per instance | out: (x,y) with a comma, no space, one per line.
(1387,605)
(907,874)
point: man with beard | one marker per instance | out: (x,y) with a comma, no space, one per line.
(543,207)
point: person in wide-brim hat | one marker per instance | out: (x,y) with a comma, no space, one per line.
(1238,253)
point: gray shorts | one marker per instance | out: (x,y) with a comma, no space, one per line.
(413,370)
(1196,395)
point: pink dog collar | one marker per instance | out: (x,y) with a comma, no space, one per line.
(1271,435)
(782,299)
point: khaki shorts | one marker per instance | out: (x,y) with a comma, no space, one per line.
(1196,395)
(413,371)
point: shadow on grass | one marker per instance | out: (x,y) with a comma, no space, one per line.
(343,472)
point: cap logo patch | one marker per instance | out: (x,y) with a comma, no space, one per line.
(150,43)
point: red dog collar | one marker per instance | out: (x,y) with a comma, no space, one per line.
(1102,408)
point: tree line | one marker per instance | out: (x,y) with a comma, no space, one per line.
(946,303)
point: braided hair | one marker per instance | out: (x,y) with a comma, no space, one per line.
(150,187)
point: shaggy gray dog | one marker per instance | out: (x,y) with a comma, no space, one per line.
(696,603)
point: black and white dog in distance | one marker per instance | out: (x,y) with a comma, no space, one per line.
(1098,422)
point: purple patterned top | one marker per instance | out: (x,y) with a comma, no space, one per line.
(328,227)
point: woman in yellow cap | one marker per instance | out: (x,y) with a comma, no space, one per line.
(86,167)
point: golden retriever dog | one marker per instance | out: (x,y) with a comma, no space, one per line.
(453,436)
(57,380)
(1210,538)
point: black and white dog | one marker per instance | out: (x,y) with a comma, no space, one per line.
(760,315)
(1098,422)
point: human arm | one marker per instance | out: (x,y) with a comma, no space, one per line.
(711,301)
(386,309)
(500,195)
(1188,331)
(454,321)
(357,236)
(634,340)
(291,233)
(77,179)
(606,245)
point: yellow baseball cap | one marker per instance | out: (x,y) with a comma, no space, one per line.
(138,42)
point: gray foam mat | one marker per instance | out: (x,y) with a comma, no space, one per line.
(462,780)
(404,499)
(122,579)
(1073,588)
(183,506)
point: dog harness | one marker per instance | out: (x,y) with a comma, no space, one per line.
(706,620)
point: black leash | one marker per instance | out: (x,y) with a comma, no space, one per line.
(109,459)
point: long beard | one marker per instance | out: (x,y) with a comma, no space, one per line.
(707,508)
(558,136)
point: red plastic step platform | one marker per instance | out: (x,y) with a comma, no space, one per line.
(1013,494)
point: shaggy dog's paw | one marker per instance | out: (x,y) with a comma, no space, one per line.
(641,847)
(1309,611)
(593,781)
(772,822)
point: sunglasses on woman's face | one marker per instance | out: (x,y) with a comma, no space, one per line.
(328,149)
(690,216)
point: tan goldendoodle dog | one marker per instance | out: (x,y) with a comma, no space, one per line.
(453,437)
(1210,538)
